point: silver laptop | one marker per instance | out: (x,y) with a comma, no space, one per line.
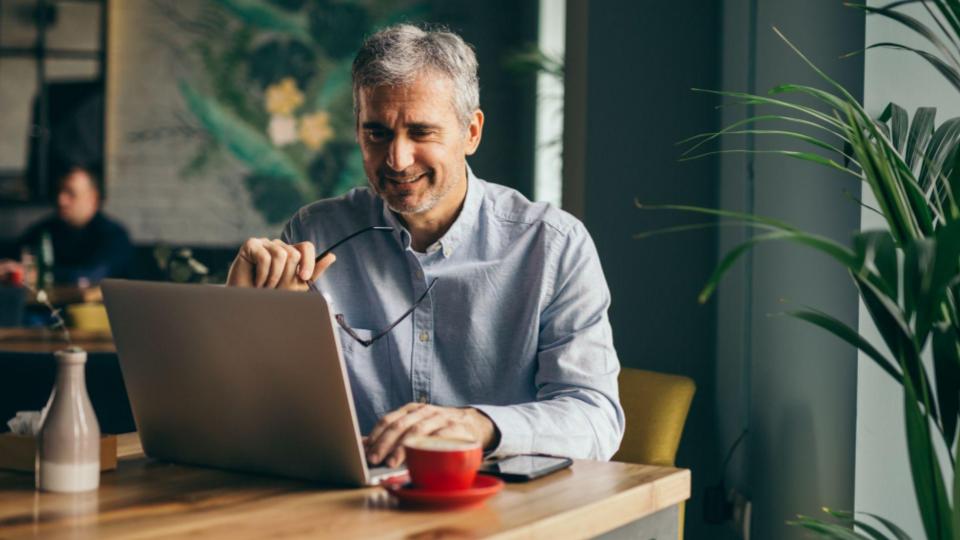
(244,379)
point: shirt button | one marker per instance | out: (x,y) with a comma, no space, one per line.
(418,274)
(424,337)
(422,398)
(447,252)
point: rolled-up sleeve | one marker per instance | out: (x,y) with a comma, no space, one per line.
(577,412)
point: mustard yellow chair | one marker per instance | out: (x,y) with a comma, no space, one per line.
(656,407)
(90,316)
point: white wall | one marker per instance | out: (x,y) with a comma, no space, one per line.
(883,481)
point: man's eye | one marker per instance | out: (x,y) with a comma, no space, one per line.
(376,135)
(421,133)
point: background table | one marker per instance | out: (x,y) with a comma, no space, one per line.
(149,499)
(42,340)
(28,368)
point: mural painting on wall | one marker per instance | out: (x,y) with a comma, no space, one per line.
(272,90)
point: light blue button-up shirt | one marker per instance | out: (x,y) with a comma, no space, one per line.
(516,325)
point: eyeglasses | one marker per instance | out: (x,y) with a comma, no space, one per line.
(339,317)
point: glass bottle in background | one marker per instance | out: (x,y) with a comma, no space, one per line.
(68,445)
(29,263)
(45,262)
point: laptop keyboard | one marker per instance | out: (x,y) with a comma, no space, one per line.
(379,474)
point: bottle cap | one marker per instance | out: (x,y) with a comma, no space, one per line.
(15,277)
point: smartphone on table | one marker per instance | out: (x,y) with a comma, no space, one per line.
(525,467)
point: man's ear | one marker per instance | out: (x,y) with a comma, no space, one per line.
(474,132)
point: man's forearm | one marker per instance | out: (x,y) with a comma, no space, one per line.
(581,424)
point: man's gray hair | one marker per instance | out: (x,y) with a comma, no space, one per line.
(396,55)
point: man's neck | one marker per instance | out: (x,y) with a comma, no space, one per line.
(425,229)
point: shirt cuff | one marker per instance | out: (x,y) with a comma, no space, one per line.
(516,437)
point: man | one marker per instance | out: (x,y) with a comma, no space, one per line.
(87,245)
(511,346)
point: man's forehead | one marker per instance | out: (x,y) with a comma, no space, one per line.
(426,98)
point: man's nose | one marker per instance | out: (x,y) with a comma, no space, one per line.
(400,155)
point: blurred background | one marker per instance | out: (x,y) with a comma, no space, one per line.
(214,120)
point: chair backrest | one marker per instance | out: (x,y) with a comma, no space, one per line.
(12,300)
(656,407)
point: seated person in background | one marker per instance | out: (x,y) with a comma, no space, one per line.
(511,346)
(87,245)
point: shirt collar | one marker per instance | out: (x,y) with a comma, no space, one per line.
(461,227)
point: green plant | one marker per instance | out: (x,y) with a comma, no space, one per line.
(908,276)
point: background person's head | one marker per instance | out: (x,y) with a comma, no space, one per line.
(417,106)
(78,196)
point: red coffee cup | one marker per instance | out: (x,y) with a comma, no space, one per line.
(442,464)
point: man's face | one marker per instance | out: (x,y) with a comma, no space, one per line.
(415,146)
(78,199)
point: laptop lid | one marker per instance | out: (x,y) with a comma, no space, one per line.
(236,378)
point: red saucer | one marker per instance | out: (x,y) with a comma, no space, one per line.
(483,488)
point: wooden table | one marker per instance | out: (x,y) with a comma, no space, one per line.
(149,499)
(59,295)
(42,340)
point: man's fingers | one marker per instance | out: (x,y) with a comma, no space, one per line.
(259,256)
(391,417)
(307,254)
(397,457)
(278,261)
(393,433)
(288,278)
(321,266)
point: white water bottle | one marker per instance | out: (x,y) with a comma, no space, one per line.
(68,445)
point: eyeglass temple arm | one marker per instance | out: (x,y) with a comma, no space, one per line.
(361,231)
(405,314)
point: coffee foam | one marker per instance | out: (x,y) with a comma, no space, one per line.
(440,444)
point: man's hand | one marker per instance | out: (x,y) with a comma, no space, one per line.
(272,264)
(385,442)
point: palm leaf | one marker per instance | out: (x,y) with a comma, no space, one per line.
(921,133)
(952,76)
(822,244)
(829,530)
(942,145)
(753,99)
(849,519)
(803,156)
(882,169)
(844,332)
(946,365)
(899,123)
(894,529)
(925,467)
(955,515)
(918,27)
(930,266)
(813,141)
(751,219)
(877,253)
(827,98)
(704,138)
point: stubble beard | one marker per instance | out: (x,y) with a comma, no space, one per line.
(432,197)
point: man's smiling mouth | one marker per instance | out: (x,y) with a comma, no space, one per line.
(407,180)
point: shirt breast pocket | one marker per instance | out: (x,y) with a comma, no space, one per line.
(370,371)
